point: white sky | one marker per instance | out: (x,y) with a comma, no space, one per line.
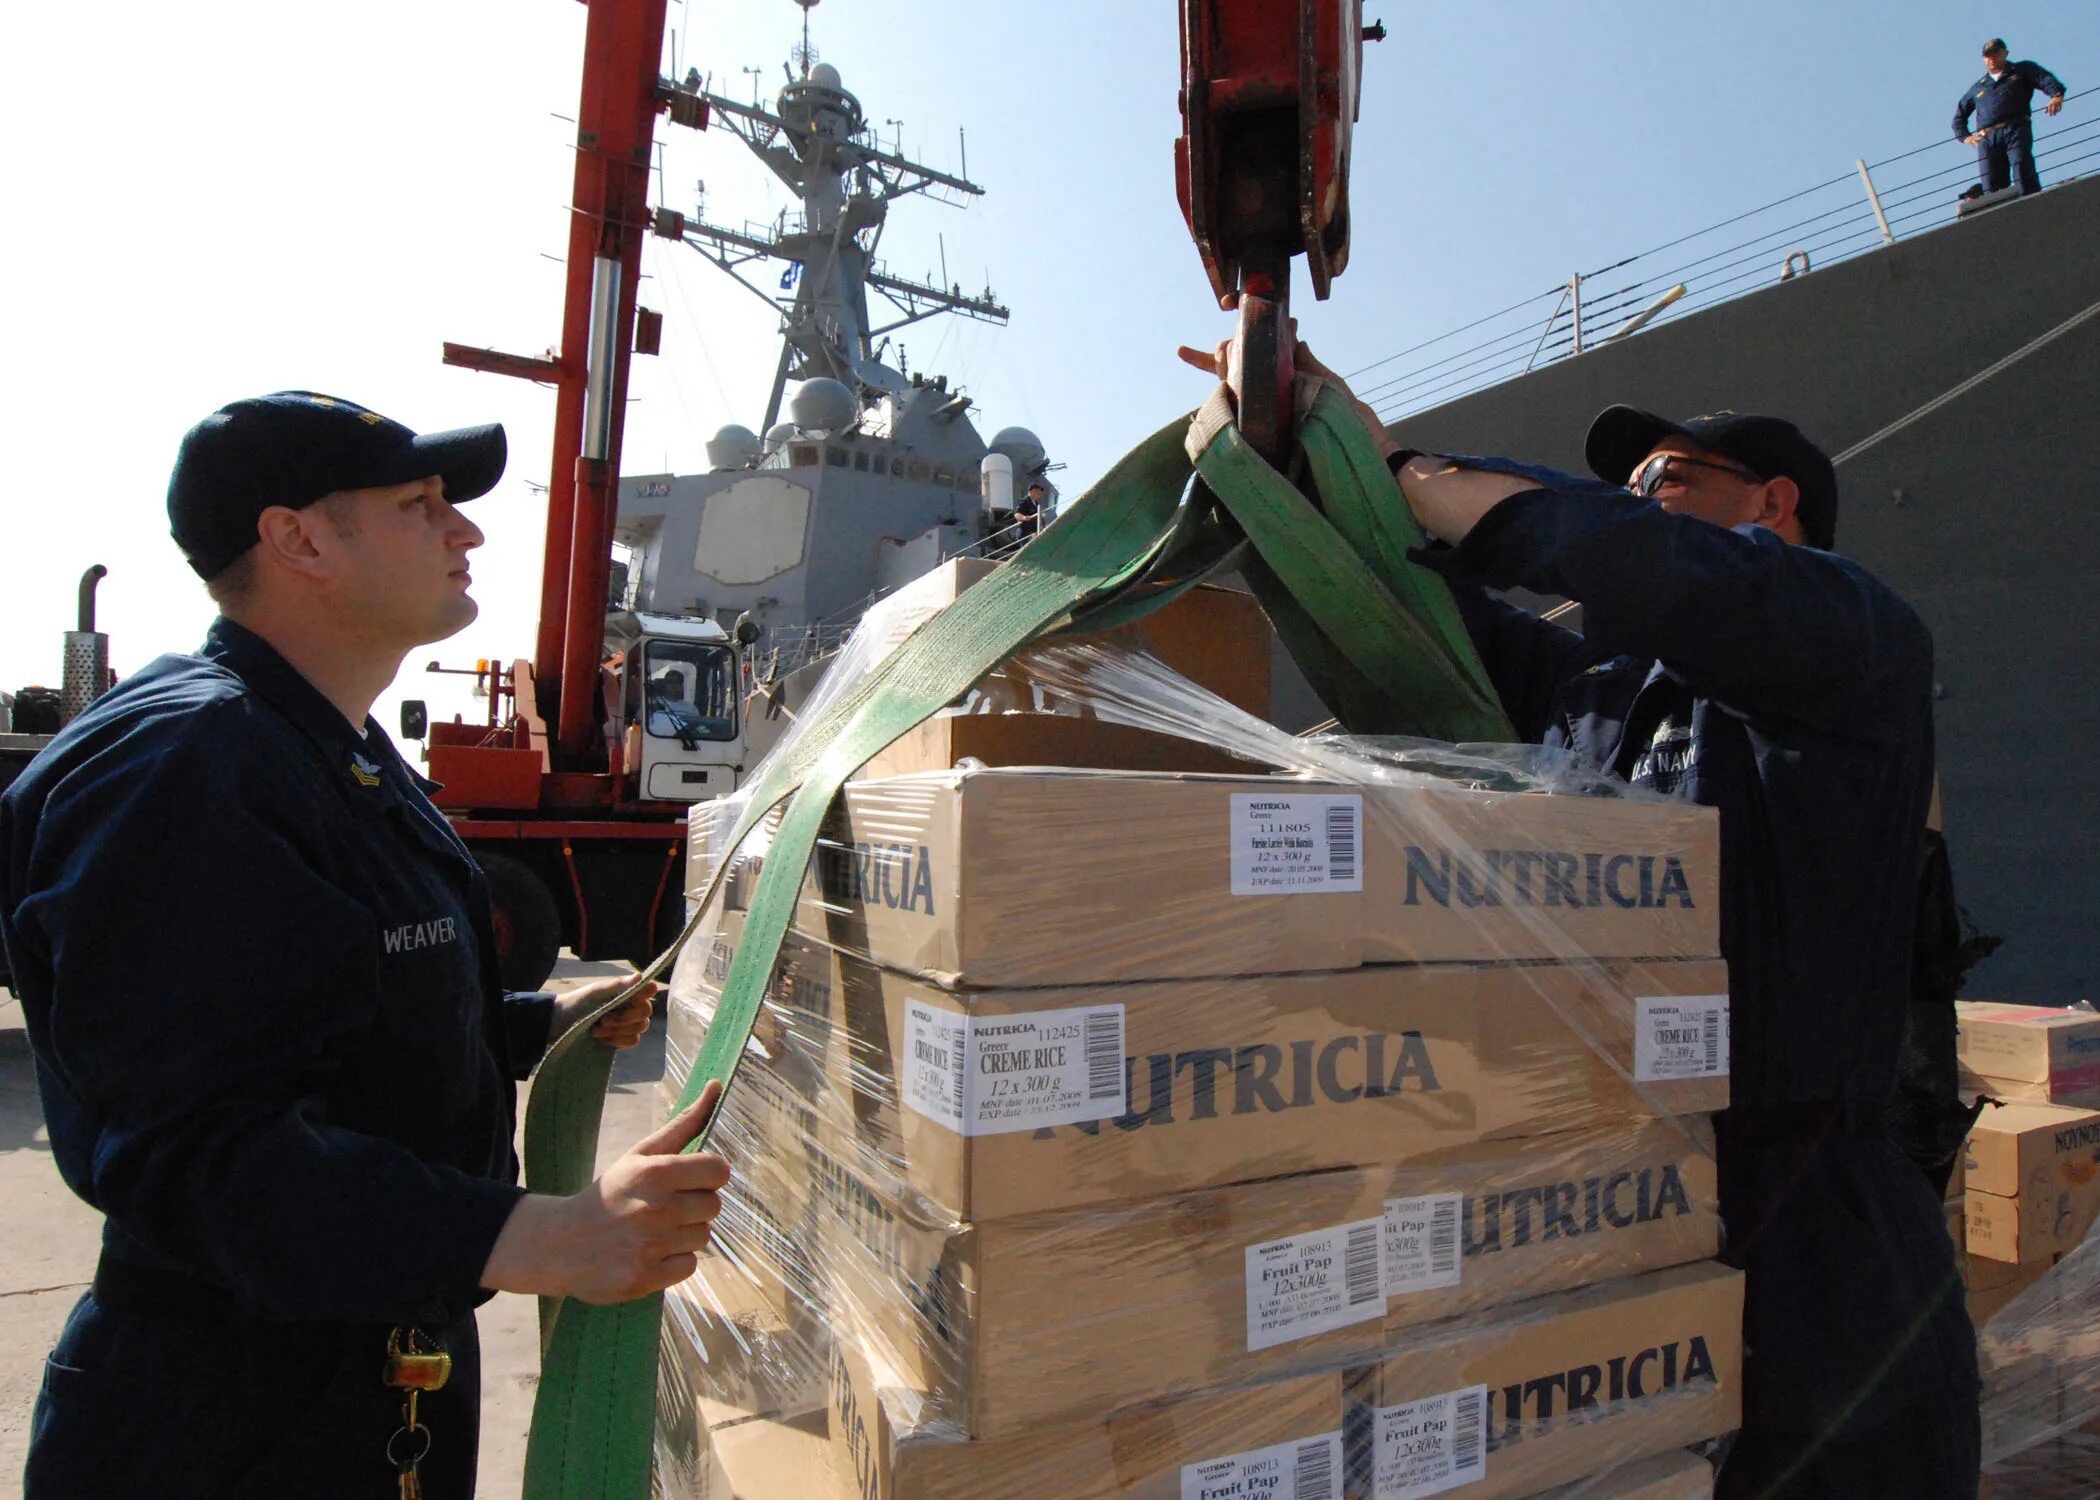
(220,198)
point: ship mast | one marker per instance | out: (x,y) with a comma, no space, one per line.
(818,142)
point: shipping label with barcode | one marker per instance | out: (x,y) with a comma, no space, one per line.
(1421,1242)
(1429,1446)
(1283,844)
(1680,1036)
(996,1075)
(1310,1469)
(1314,1283)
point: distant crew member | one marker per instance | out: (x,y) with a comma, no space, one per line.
(2000,102)
(258,971)
(1028,514)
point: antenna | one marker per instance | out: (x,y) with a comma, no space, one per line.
(805,55)
(754,72)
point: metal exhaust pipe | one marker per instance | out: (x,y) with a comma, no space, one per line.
(87,654)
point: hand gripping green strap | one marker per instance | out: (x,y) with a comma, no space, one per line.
(1123,548)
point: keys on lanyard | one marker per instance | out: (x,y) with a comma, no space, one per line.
(413,1368)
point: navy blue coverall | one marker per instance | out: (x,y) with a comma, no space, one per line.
(1790,690)
(257,971)
(2002,111)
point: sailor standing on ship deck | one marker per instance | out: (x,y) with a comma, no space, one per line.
(1731,659)
(257,970)
(2001,102)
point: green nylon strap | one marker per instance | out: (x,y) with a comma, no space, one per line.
(1125,547)
(592,1417)
(1410,663)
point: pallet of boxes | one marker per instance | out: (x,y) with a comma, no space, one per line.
(2031,1195)
(1177,1134)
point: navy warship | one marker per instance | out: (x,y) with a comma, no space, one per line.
(863,474)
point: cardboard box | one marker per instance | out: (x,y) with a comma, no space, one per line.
(1666,1476)
(1650,1363)
(2033,1181)
(787,1458)
(883,1436)
(2026,1091)
(1004,1324)
(1992,1284)
(729,1354)
(2055,1052)
(995,1103)
(1031,877)
(1028,712)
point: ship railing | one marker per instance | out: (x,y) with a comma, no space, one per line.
(1861,210)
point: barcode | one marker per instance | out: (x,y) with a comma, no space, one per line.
(1312,1476)
(1341,841)
(1104,1055)
(1713,1041)
(1443,1237)
(958,1072)
(1360,1264)
(1468,1422)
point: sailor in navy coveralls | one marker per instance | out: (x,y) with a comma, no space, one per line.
(1730,658)
(257,970)
(2001,102)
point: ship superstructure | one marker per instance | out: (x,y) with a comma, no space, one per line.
(864,475)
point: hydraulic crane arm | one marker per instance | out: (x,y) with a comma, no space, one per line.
(1269,93)
(616,122)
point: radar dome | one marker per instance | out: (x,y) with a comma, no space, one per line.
(733,447)
(825,76)
(1020,445)
(778,434)
(822,405)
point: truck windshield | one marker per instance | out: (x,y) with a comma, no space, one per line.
(690,690)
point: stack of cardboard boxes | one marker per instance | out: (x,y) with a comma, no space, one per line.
(2031,1168)
(1114,1133)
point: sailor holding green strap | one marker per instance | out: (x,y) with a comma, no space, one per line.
(257,970)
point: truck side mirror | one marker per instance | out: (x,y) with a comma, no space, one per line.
(415,719)
(747,631)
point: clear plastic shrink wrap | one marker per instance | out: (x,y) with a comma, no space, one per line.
(1333,1128)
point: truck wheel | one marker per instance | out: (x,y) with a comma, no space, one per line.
(528,927)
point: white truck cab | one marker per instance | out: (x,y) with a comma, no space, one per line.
(679,714)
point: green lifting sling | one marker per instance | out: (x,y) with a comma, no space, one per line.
(1377,635)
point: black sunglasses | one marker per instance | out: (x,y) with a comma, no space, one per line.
(1655,472)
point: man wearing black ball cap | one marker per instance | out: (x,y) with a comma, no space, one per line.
(257,972)
(1729,657)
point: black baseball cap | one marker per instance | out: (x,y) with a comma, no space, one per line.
(1995,44)
(291,448)
(1768,447)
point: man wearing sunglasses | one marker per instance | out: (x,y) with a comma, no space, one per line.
(1730,658)
(2002,102)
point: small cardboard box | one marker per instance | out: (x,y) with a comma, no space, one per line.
(2033,1181)
(993,878)
(2055,1052)
(1028,712)
(1287,1430)
(1004,1324)
(994,1103)
(1564,1386)
(1667,1476)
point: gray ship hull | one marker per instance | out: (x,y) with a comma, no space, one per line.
(1985,514)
